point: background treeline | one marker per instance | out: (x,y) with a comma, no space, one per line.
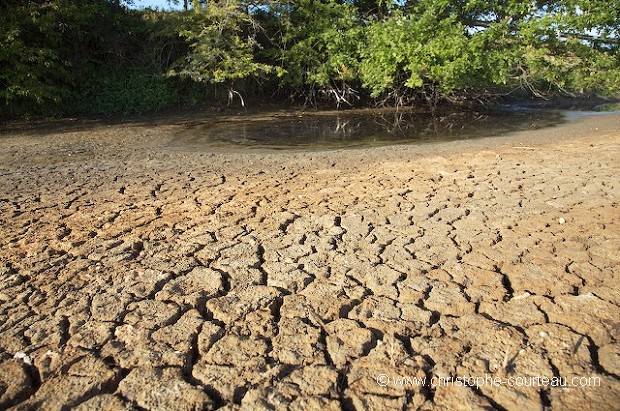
(66,57)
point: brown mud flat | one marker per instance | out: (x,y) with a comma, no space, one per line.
(134,276)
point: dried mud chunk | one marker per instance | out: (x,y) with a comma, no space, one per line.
(144,353)
(259,323)
(440,275)
(48,332)
(414,315)
(576,251)
(241,278)
(448,299)
(515,398)
(396,254)
(90,335)
(480,285)
(105,402)
(191,288)
(413,288)
(72,304)
(383,328)
(8,281)
(600,392)
(479,345)
(521,311)
(541,277)
(479,260)
(315,403)
(209,334)
(434,249)
(209,253)
(380,279)
(281,220)
(138,347)
(239,351)
(16,383)
(450,397)
(48,362)
(239,256)
(298,343)
(264,399)
(327,300)
(378,308)
(377,402)
(346,340)
(151,314)
(131,336)
(501,351)
(180,334)
(287,277)
(314,380)
(604,292)
(274,398)
(390,358)
(280,398)
(293,253)
(84,378)
(163,389)
(587,314)
(108,307)
(593,275)
(143,283)
(609,358)
(568,351)
(606,248)
(355,225)
(238,303)
(230,382)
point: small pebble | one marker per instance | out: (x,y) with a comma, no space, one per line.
(561,220)
(23,357)
(543,334)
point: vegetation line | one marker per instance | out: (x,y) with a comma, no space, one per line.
(70,57)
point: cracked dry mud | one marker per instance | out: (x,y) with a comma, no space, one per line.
(135,276)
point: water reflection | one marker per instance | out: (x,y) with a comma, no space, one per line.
(358,129)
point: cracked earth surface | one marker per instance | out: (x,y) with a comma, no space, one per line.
(134,276)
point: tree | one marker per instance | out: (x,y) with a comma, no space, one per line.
(316,51)
(32,72)
(221,36)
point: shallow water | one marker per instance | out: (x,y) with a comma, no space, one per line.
(360,129)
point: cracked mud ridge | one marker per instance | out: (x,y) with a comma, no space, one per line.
(134,276)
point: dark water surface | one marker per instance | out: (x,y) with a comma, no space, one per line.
(360,129)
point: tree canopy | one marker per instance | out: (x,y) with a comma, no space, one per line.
(98,56)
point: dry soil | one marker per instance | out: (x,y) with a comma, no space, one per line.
(138,275)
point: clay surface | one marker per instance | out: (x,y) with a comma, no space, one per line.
(134,275)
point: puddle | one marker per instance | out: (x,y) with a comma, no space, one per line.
(358,129)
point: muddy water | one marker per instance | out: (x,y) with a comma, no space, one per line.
(360,129)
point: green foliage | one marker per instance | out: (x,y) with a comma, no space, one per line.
(416,50)
(221,37)
(98,56)
(452,46)
(32,71)
(50,50)
(123,91)
(319,43)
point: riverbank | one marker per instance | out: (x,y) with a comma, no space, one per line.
(139,273)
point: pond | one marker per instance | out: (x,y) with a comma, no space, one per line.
(360,128)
